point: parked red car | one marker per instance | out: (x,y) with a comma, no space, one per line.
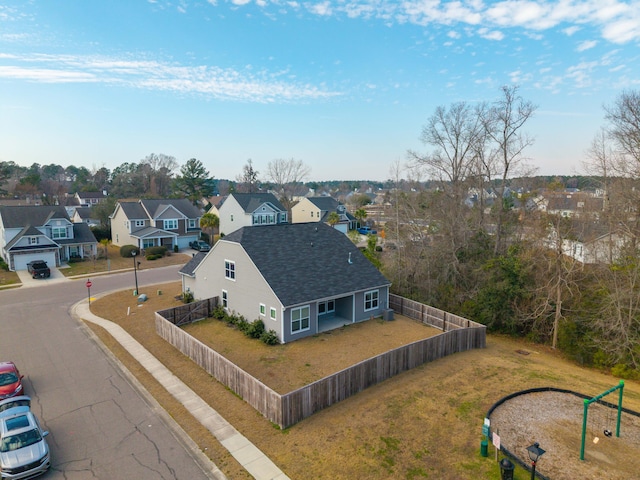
(10,380)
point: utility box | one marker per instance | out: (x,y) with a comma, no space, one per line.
(387,314)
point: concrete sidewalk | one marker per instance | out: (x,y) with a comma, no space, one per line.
(247,454)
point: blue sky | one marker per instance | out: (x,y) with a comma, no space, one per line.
(345,86)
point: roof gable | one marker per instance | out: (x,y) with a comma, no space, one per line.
(20,216)
(250,202)
(303,262)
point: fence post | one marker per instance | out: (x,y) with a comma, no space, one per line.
(444,322)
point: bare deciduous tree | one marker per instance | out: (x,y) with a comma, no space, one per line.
(286,175)
(504,122)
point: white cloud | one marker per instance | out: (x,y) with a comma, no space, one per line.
(212,82)
(490,34)
(586,45)
(453,34)
(323,9)
(569,31)
(622,31)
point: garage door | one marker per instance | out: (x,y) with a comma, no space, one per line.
(20,260)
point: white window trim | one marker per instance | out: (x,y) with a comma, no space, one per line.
(225,299)
(377,292)
(34,240)
(272,314)
(300,330)
(164,224)
(138,223)
(263,310)
(230,270)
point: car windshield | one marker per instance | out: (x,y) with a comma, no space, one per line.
(7,378)
(20,440)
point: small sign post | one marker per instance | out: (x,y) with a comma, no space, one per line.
(88,284)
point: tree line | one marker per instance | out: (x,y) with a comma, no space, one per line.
(507,263)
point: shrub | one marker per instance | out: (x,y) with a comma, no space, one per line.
(153,257)
(159,251)
(187,297)
(621,370)
(219,313)
(255,329)
(176,249)
(270,337)
(126,250)
(3,265)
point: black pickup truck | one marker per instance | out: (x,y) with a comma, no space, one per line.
(38,269)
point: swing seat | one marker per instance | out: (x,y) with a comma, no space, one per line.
(607,432)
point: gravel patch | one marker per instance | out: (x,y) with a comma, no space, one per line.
(554,420)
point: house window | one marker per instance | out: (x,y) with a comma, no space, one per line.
(232,217)
(272,313)
(263,309)
(33,240)
(230,270)
(192,223)
(171,224)
(371,300)
(326,307)
(225,299)
(138,223)
(311,214)
(283,217)
(58,232)
(300,319)
(148,242)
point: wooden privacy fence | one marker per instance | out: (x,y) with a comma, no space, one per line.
(190,312)
(459,334)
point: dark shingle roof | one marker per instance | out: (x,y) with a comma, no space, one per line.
(81,234)
(329,204)
(133,210)
(303,262)
(16,217)
(192,264)
(155,207)
(251,201)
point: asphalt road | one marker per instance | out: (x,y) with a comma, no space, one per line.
(101,427)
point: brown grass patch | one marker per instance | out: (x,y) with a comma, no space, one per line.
(425,423)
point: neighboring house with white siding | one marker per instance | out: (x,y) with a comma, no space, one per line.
(248,209)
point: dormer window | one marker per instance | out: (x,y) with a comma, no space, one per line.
(138,223)
(33,240)
(58,232)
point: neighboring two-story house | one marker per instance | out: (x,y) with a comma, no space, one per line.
(43,232)
(152,223)
(88,199)
(299,279)
(317,209)
(248,209)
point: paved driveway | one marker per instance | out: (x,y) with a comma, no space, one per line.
(28,281)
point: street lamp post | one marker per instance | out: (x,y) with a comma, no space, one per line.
(535,452)
(135,271)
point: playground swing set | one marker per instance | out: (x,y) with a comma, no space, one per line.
(605,425)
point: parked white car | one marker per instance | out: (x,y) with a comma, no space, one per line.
(24,452)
